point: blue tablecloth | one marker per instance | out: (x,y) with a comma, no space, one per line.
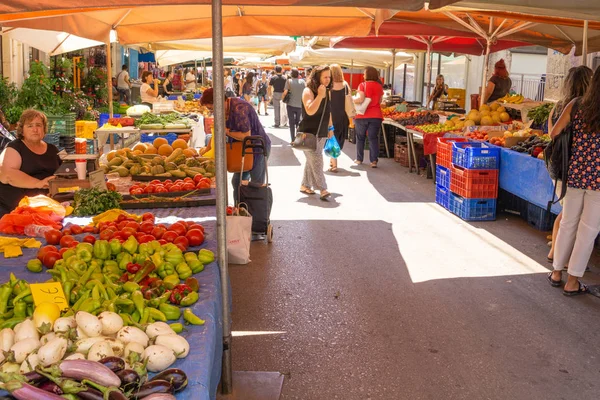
(203,364)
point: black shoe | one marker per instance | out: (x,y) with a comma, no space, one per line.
(275,126)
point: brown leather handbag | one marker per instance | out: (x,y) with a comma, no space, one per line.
(235,162)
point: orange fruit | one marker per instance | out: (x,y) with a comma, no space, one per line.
(140,146)
(189,152)
(159,142)
(165,150)
(151,150)
(112,154)
(137,152)
(179,144)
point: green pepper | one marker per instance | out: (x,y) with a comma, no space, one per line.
(95,293)
(115,247)
(84,251)
(28,299)
(58,263)
(196,266)
(155,245)
(139,259)
(20,309)
(155,314)
(5,293)
(145,249)
(157,260)
(111,267)
(90,305)
(84,296)
(138,301)
(34,265)
(102,249)
(147,268)
(11,323)
(68,286)
(191,318)
(157,301)
(190,299)
(97,285)
(125,259)
(22,295)
(206,256)
(111,293)
(30,309)
(135,316)
(190,256)
(86,276)
(183,270)
(131,287)
(177,327)
(78,266)
(68,254)
(165,269)
(8,314)
(171,312)
(174,257)
(193,284)
(169,247)
(98,276)
(171,281)
(130,245)
(125,305)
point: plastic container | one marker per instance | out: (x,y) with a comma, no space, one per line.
(36,230)
(104,118)
(473,209)
(444,150)
(80,129)
(442,176)
(474,183)
(539,217)
(149,138)
(473,155)
(442,196)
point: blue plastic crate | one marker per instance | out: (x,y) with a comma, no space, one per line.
(104,117)
(540,218)
(473,209)
(472,155)
(149,138)
(442,176)
(442,196)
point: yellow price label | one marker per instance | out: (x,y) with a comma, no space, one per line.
(51,292)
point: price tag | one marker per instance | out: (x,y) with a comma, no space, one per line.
(51,292)
(97,180)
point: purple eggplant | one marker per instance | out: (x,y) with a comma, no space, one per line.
(175,376)
(24,391)
(152,387)
(129,379)
(90,394)
(35,377)
(160,396)
(115,364)
(85,369)
(50,387)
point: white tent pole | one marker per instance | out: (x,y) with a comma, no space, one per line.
(351,71)
(564,34)
(485,72)
(516,29)
(109,77)
(429,46)
(584,51)
(204,70)
(393,68)
(221,176)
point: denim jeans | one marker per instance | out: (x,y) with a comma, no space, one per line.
(257,174)
(294,115)
(364,127)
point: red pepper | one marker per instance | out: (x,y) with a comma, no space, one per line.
(124,277)
(133,268)
(146,269)
(179,292)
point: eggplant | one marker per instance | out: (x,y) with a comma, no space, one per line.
(175,376)
(50,387)
(152,387)
(91,394)
(117,395)
(115,364)
(35,377)
(91,370)
(24,391)
(128,378)
(160,396)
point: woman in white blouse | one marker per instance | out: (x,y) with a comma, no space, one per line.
(149,95)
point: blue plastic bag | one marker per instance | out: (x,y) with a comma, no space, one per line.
(332,148)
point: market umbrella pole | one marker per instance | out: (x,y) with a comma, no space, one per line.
(486,60)
(584,51)
(351,72)
(393,68)
(221,181)
(429,45)
(109,78)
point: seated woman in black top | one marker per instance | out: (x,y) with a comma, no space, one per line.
(28,163)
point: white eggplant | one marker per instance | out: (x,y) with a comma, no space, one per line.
(63,324)
(76,356)
(157,329)
(117,346)
(81,334)
(84,345)
(47,337)
(111,322)
(53,351)
(130,334)
(26,330)
(30,363)
(89,324)
(100,350)
(7,339)
(133,347)
(178,344)
(158,358)
(23,348)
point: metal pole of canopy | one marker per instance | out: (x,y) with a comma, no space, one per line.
(393,68)
(196,69)
(351,71)
(109,77)
(429,45)
(584,51)
(486,60)
(204,71)
(221,175)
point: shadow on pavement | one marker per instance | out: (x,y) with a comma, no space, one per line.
(282,154)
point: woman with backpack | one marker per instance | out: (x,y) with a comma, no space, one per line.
(261,91)
(581,211)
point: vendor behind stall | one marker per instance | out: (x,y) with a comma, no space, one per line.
(440,89)
(148,94)
(27,163)
(499,84)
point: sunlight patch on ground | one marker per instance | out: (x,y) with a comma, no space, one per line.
(256,333)
(437,245)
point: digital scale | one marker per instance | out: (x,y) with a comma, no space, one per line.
(67,168)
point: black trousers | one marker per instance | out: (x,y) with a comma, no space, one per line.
(294,115)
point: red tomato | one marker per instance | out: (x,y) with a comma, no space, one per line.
(175,188)
(146,227)
(187,223)
(196,226)
(44,250)
(73,243)
(122,224)
(135,188)
(128,231)
(107,234)
(138,236)
(207,180)
(162,241)
(149,189)
(66,232)
(134,225)
(161,189)
(146,239)
(136,192)
(168,186)
(66,241)
(168,182)
(188,179)
(121,217)
(188,186)
(76,229)
(198,178)
(90,229)
(89,239)
(170,236)
(63,251)
(163,226)
(50,258)
(182,240)
(102,225)
(195,237)
(203,185)
(178,181)
(158,232)
(119,236)
(148,217)
(181,247)
(154,182)
(179,227)
(53,236)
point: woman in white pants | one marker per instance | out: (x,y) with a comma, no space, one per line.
(580,223)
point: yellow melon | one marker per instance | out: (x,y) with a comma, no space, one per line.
(151,150)
(485,113)
(159,142)
(501,109)
(494,106)
(123,152)
(140,146)
(504,116)
(189,152)
(179,144)
(487,120)
(165,150)
(474,116)
(112,154)
(484,107)
(470,122)
(496,118)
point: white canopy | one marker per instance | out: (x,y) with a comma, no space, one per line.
(52,42)
(347,57)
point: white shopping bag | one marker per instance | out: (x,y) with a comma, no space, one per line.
(239,236)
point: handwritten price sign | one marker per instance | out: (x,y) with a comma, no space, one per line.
(51,292)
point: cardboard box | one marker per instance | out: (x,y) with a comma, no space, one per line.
(513,141)
(61,185)
(501,127)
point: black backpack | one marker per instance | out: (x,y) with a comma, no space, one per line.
(262,88)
